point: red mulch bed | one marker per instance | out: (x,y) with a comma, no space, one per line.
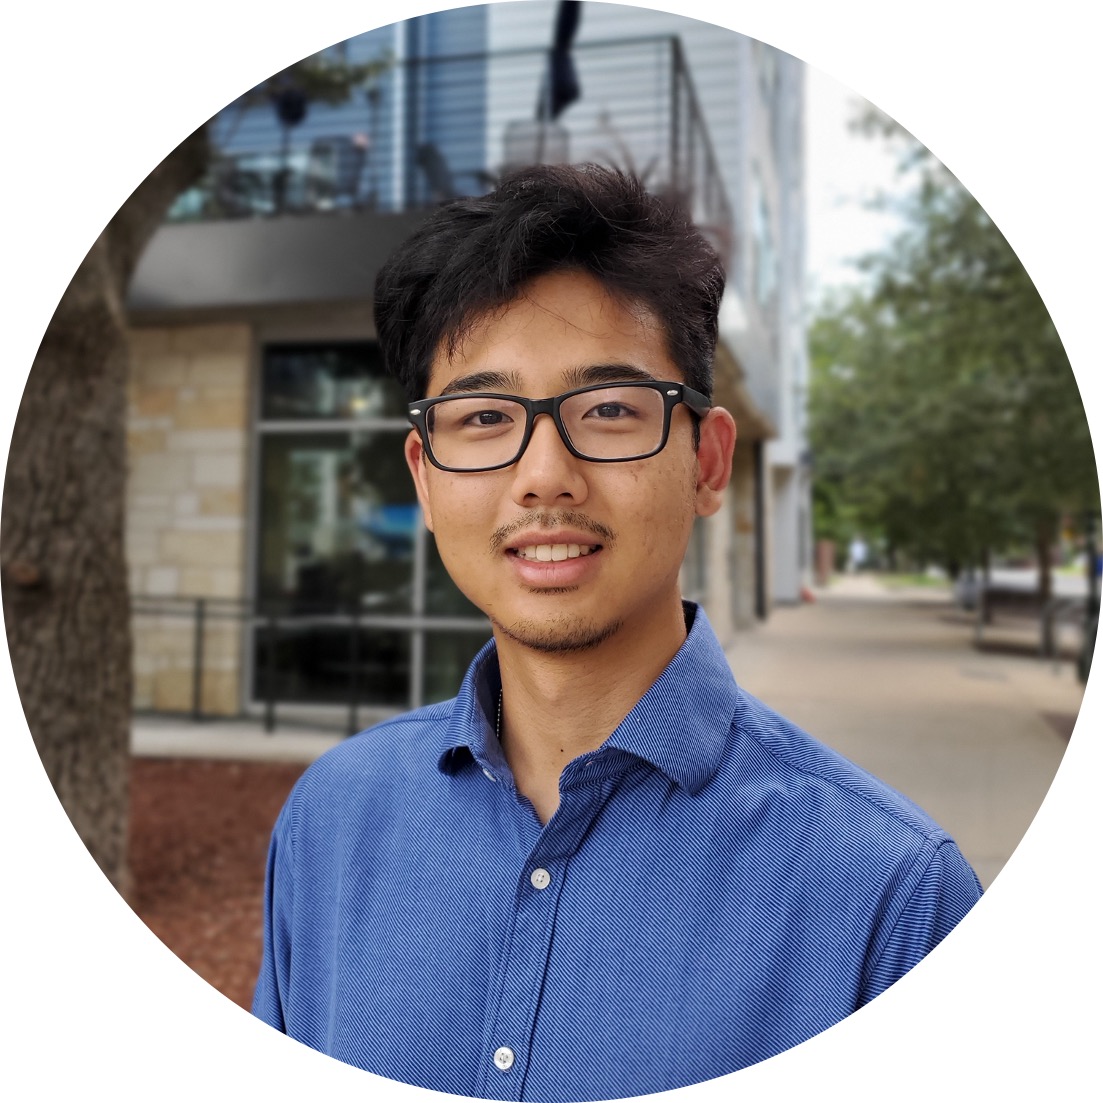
(198,841)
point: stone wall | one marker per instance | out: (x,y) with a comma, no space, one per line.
(188,428)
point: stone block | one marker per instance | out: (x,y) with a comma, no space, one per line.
(224,638)
(154,401)
(142,691)
(144,663)
(196,581)
(225,469)
(219,369)
(139,424)
(161,502)
(165,646)
(211,581)
(206,440)
(222,501)
(141,551)
(202,523)
(141,442)
(162,581)
(202,549)
(221,692)
(160,472)
(149,342)
(234,337)
(162,370)
(213,408)
(172,690)
(148,520)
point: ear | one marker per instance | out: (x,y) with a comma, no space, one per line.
(714,459)
(419,465)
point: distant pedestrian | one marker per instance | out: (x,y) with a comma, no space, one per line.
(857,555)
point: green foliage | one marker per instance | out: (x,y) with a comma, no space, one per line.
(322,78)
(943,410)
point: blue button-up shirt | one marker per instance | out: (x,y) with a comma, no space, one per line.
(715,887)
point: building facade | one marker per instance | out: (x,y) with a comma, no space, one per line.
(277,556)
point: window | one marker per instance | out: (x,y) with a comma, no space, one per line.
(353,603)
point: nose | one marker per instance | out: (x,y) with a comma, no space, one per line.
(546,473)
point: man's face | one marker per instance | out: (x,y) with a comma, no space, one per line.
(618,531)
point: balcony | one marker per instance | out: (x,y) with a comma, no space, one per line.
(432,129)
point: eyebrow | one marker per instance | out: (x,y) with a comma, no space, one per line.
(584,376)
(484,381)
(606,373)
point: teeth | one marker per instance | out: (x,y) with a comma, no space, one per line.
(554,553)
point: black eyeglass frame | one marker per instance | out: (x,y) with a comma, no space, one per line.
(672,394)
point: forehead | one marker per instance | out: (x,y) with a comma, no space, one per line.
(560,325)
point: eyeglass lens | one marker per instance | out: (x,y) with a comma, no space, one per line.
(612,423)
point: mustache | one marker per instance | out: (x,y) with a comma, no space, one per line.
(551,519)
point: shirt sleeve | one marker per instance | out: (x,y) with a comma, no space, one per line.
(947,889)
(275,967)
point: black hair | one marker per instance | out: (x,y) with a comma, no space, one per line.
(475,255)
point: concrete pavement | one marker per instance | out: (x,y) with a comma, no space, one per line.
(889,678)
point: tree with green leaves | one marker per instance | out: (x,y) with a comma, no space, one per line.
(62,558)
(943,408)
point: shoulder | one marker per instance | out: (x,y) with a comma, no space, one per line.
(369,770)
(809,769)
(842,833)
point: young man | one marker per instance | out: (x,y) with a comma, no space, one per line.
(602,869)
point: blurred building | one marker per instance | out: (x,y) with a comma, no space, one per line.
(275,547)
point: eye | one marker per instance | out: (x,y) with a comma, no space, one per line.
(487,419)
(610,411)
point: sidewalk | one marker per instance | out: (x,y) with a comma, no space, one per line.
(240,740)
(889,678)
(892,680)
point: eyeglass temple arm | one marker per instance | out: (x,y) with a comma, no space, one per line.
(699,403)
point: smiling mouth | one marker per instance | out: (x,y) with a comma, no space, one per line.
(553,553)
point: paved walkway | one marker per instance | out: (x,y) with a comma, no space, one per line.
(892,680)
(889,678)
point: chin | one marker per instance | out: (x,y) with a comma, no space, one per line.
(559,635)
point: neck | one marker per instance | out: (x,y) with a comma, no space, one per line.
(556,707)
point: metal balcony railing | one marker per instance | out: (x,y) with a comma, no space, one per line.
(431,129)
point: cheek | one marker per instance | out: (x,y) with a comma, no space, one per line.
(463,509)
(666,511)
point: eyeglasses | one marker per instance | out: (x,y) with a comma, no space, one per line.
(605,423)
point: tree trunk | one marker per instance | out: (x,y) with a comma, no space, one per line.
(62,557)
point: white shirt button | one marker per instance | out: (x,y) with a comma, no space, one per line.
(540,878)
(503,1058)
(490,775)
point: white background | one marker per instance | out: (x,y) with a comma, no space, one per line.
(96,94)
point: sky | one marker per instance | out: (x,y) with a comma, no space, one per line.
(843,171)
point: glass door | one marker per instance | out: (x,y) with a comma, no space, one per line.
(352,603)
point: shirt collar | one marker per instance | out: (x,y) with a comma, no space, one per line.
(680,725)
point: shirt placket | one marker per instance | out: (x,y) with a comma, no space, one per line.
(512,1014)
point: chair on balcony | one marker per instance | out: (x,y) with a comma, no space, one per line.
(438,176)
(240,187)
